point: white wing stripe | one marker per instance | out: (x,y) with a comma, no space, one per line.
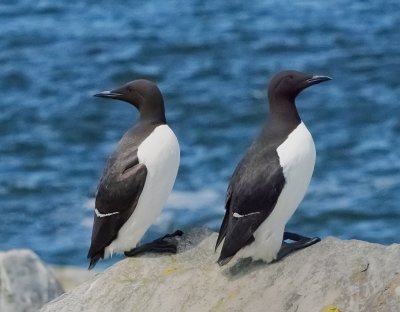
(236,215)
(103,215)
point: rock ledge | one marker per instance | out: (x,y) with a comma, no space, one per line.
(333,275)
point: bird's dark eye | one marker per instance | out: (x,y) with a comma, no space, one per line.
(288,78)
(130,89)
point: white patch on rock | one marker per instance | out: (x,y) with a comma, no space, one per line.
(397,291)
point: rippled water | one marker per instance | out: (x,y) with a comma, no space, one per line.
(212,62)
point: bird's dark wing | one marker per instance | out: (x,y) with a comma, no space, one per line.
(118,193)
(224,225)
(252,194)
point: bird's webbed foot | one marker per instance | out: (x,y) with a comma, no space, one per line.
(299,242)
(160,245)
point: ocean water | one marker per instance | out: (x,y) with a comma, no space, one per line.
(212,61)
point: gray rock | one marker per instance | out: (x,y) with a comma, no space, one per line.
(25,283)
(70,276)
(333,275)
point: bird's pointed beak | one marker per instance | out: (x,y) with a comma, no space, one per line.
(108,94)
(317,79)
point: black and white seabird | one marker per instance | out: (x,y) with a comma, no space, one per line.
(271,180)
(138,176)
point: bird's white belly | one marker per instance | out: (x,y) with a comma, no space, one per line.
(160,153)
(297,158)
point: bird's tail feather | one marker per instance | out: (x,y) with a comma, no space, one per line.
(93,260)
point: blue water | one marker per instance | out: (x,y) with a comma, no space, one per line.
(212,61)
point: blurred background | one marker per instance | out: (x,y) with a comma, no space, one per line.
(212,61)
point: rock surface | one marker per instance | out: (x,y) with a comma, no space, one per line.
(25,283)
(69,276)
(333,275)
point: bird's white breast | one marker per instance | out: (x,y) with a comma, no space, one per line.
(161,155)
(297,158)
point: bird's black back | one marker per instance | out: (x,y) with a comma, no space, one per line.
(254,188)
(119,189)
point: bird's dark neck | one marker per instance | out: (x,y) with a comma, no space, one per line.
(283,110)
(143,128)
(283,118)
(152,119)
(152,113)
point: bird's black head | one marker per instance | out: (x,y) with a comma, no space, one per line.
(286,85)
(141,93)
